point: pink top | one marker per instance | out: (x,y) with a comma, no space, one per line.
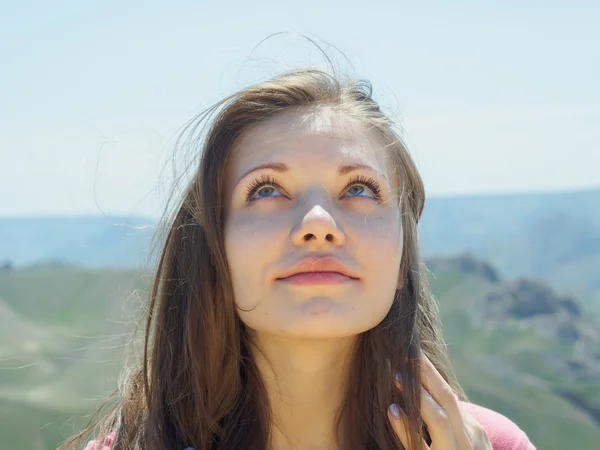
(503,433)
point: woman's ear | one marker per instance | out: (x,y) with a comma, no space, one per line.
(400,283)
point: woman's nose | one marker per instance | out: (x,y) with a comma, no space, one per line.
(318,227)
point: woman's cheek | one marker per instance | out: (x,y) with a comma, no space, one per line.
(249,235)
(386,224)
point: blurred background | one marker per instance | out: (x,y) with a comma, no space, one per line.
(498,103)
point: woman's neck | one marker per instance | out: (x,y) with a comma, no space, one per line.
(305,385)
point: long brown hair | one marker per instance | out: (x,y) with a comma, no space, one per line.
(197,384)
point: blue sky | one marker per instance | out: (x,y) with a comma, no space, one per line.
(492,96)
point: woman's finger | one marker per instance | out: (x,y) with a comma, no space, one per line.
(444,396)
(438,423)
(477,433)
(437,420)
(399,426)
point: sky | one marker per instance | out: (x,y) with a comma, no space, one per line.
(492,97)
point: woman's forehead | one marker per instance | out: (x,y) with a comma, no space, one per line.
(321,121)
(324,133)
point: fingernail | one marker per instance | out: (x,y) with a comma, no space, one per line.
(395,410)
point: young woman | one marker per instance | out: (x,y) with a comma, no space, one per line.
(290,308)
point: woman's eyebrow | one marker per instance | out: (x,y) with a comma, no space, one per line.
(281,168)
(277,167)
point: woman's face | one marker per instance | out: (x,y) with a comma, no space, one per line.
(313,194)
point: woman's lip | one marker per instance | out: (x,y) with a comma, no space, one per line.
(318,263)
(307,278)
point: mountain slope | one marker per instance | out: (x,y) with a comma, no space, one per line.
(508,345)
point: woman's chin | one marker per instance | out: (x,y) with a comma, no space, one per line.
(317,318)
(323,318)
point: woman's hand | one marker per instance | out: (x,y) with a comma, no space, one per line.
(450,428)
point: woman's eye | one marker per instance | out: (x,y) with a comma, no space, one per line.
(359,191)
(263,187)
(265,191)
(364,187)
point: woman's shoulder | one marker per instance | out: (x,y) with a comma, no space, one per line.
(104,444)
(107,443)
(504,434)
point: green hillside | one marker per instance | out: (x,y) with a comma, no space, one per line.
(503,365)
(62,334)
(63,331)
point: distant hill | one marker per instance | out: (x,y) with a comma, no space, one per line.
(94,242)
(554,236)
(518,346)
(452,224)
